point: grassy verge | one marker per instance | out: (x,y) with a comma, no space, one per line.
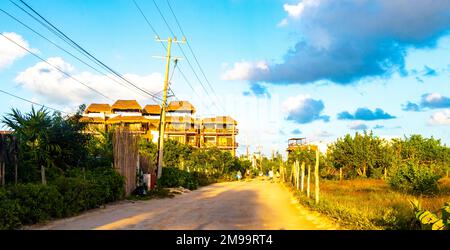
(371,204)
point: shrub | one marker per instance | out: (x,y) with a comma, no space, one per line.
(37,202)
(174,177)
(413,178)
(65,196)
(90,189)
(203,179)
(9,212)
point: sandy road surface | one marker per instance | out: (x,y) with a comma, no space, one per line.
(234,205)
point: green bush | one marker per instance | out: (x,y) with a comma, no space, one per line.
(37,202)
(9,212)
(31,203)
(174,177)
(204,179)
(414,178)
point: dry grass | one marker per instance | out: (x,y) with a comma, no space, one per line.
(372,204)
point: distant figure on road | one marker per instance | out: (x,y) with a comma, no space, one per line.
(271,175)
(239,175)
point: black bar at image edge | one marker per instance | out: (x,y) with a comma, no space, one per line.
(222,239)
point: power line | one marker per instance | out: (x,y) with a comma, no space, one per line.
(57,68)
(193,89)
(61,48)
(35,103)
(68,40)
(184,54)
(164,46)
(190,48)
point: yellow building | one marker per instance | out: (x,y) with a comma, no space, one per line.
(181,126)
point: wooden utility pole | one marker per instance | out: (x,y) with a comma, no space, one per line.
(162,121)
(316,177)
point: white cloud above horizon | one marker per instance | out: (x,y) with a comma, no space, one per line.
(440,118)
(56,88)
(243,70)
(10,52)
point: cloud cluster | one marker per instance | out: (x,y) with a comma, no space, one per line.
(345,41)
(358,126)
(55,87)
(10,52)
(303,109)
(365,114)
(440,118)
(296,131)
(428,101)
(257,90)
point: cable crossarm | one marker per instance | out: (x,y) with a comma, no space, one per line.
(55,67)
(165,48)
(192,51)
(75,45)
(184,54)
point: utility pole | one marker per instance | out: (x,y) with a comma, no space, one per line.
(162,119)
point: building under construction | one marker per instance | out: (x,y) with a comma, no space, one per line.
(180,126)
(299,144)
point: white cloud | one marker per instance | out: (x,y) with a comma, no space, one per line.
(57,88)
(357,125)
(10,52)
(440,118)
(296,10)
(243,70)
(283,23)
(433,97)
(303,109)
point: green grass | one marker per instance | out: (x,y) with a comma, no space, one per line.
(372,204)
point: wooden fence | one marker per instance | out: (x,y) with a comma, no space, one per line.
(8,158)
(126,157)
(298,174)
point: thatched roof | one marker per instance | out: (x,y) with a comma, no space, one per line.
(152,110)
(126,105)
(181,107)
(225,120)
(88,119)
(219,120)
(98,108)
(127,119)
(211,120)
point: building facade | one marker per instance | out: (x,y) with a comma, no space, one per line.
(181,125)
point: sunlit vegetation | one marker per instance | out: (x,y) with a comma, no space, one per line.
(368,182)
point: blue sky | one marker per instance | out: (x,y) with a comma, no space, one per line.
(313,68)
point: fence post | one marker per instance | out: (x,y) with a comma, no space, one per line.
(316,178)
(303,177)
(44,180)
(297,166)
(308,188)
(2,173)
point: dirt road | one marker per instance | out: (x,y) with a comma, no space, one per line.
(234,205)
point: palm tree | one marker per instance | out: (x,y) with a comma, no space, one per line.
(32,132)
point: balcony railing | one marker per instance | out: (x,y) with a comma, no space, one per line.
(219,145)
(181,130)
(220,131)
